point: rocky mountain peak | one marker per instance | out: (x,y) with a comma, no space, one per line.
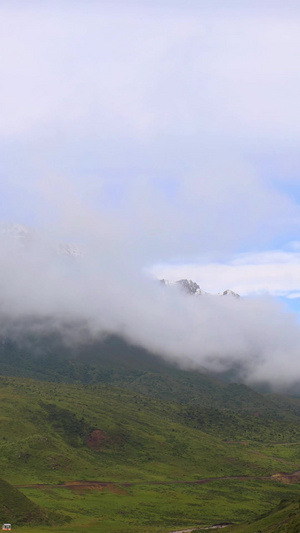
(229,292)
(29,239)
(191,287)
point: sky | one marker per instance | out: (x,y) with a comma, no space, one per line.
(162,137)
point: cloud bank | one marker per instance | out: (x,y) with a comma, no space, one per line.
(274,272)
(159,134)
(52,289)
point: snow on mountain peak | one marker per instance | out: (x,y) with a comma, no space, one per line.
(191,287)
(28,238)
(187,285)
(70,250)
(17,231)
(229,292)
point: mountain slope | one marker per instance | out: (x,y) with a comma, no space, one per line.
(17,509)
(231,410)
(155,472)
(285,518)
(158,469)
(50,432)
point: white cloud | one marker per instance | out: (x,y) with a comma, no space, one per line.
(276,273)
(150,71)
(159,132)
(94,93)
(42,289)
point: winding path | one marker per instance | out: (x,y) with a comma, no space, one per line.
(217,526)
(294,477)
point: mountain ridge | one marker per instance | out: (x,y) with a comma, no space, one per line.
(191,287)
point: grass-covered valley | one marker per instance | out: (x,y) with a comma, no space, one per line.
(128,443)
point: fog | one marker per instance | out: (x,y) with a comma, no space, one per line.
(159,133)
(43,288)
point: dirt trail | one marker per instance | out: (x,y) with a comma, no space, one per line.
(294,477)
(217,526)
(76,485)
(279,459)
(184,531)
(249,442)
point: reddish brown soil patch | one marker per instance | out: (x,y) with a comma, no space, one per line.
(82,486)
(287,478)
(96,439)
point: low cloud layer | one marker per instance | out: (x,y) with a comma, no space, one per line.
(274,272)
(38,281)
(160,133)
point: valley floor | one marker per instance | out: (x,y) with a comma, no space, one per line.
(147,507)
(103,459)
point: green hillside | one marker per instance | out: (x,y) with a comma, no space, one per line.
(115,439)
(51,432)
(120,461)
(16,508)
(285,518)
(113,361)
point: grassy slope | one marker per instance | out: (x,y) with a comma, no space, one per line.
(17,508)
(285,518)
(114,362)
(44,429)
(155,423)
(161,509)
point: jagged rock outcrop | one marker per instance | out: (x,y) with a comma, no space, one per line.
(229,292)
(191,287)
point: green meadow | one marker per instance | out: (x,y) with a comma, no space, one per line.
(160,509)
(112,459)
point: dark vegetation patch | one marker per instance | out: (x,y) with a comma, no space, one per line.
(16,508)
(267,426)
(75,430)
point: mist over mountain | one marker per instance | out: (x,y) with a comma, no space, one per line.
(138,141)
(46,286)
